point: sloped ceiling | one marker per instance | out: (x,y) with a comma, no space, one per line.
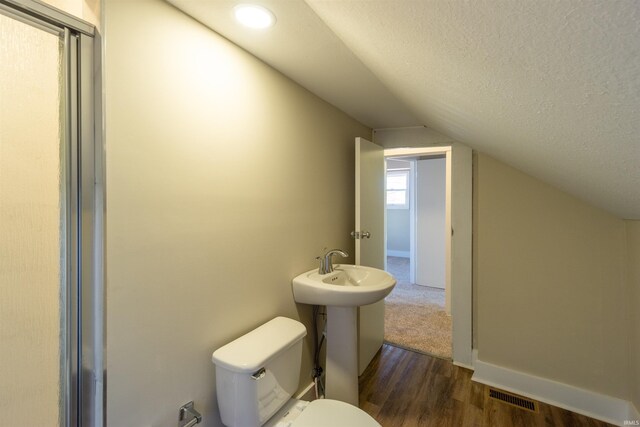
(551,87)
(303,48)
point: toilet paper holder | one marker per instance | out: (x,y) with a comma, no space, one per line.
(189,416)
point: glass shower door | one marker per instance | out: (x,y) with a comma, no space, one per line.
(33,224)
(51,216)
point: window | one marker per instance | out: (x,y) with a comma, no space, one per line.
(398,189)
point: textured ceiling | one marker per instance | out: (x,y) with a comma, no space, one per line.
(551,87)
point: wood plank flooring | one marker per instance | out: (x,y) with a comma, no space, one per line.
(401,388)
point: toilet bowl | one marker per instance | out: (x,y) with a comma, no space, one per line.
(257,374)
(320,413)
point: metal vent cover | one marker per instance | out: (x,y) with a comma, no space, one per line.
(512,399)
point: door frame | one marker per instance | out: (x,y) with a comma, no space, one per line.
(458,273)
(83,378)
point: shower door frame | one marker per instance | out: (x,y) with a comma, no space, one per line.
(82,374)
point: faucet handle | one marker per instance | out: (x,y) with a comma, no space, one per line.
(327,266)
(340,252)
(321,267)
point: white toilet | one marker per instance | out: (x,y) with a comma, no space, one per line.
(257,374)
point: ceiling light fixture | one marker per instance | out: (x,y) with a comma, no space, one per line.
(254,16)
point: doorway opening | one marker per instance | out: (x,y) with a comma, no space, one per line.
(458,177)
(417,312)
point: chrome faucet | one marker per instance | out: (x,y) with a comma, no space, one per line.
(326,263)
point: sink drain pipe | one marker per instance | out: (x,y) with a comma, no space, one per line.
(318,340)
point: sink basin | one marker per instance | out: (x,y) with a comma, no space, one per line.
(346,286)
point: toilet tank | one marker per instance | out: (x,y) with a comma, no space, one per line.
(258,373)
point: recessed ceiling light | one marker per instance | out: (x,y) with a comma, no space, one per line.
(254,16)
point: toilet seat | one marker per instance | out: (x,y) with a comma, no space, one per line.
(328,412)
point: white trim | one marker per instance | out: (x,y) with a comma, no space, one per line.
(421,151)
(384,218)
(474,357)
(401,128)
(412,221)
(448,224)
(460,251)
(458,279)
(400,254)
(594,405)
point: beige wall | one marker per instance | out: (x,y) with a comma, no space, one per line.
(633,263)
(550,288)
(30,218)
(224,181)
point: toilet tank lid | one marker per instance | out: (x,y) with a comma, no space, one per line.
(251,351)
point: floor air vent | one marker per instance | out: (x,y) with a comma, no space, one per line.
(512,399)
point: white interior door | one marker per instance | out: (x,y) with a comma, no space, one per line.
(460,258)
(370,250)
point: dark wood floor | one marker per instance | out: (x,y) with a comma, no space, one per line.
(402,388)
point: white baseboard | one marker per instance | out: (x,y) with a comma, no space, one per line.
(585,402)
(463,365)
(308,393)
(474,356)
(400,254)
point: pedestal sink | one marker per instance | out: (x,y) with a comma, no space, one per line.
(342,291)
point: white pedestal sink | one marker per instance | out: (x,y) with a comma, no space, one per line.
(342,291)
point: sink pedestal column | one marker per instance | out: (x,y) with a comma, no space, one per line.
(342,354)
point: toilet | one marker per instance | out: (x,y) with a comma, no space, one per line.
(257,375)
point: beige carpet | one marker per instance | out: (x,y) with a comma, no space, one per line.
(415,319)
